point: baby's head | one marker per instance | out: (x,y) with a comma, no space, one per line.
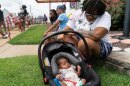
(63,63)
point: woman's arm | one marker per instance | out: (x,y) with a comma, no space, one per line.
(53,27)
(97,34)
(62,36)
(102,27)
(68,28)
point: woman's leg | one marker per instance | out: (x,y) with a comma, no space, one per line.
(19,25)
(4,26)
(93,47)
(1,32)
(8,24)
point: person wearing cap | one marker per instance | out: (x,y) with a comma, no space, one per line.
(61,21)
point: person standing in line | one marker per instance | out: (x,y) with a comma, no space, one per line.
(23,15)
(4,35)
(10,21)
(45,19)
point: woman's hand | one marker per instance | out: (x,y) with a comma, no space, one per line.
(45,34)
(61,36)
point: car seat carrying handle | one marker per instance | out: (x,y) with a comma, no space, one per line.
(66,32)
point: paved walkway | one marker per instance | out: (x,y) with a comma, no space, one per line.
(13,34)
(8,50)
(120,61)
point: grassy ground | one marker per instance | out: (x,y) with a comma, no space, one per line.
(24,71)
(31,36)
(112,77)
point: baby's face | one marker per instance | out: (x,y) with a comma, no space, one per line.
(64,64)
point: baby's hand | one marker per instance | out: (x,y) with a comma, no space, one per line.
(59,76)
(78,68)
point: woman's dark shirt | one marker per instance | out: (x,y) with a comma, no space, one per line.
(1,15)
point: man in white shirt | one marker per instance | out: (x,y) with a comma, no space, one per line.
(94,23)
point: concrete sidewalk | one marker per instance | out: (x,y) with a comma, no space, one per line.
(9,50)
(120,61)
(13,34)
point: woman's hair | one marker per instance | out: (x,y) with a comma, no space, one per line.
(53,19)
(62,7)
(54,12)
(91,6)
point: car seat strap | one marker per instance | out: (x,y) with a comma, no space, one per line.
(71,81)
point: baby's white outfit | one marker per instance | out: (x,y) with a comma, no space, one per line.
(69,76)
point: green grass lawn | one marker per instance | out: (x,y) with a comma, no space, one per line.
(22,71)
(112,77)
(31,36)
(25,71)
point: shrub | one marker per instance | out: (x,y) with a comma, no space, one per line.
(117,12)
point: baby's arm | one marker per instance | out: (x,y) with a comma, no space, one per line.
(78,70)
(59,76)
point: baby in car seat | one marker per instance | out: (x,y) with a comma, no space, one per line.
(68,76)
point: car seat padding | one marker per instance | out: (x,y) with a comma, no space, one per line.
(70,57)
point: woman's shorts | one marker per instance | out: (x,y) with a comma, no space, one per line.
(105,48)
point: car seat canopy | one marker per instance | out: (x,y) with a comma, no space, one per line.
(75,61)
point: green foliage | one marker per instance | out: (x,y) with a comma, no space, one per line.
(117,12)
(32,36)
